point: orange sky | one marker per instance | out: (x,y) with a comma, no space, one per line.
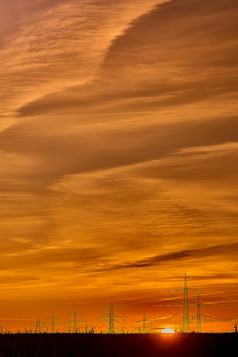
(118,154)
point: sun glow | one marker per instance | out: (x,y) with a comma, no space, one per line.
(167,330)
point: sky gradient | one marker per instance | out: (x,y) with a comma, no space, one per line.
(118,154)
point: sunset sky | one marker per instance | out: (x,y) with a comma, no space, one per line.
(118,155)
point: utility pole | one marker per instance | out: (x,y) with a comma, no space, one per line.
(186,327)
(235,327)
(199,328)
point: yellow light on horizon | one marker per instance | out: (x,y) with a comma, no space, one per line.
(167,330)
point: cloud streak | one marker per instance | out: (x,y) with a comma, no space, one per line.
(200,253)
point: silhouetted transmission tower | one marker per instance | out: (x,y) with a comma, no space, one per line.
(185,291)
(186,326)
(144,323)
(199,327)
(111,318)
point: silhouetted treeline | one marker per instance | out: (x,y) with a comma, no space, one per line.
(128,345)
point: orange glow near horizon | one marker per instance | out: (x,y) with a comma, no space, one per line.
(167,330)
(119,161)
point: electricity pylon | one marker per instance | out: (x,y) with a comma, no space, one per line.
(185,303)
(186,327)
(144,324)
(75,321)
(38,325)
(199,327)
(52,323)
(111,318)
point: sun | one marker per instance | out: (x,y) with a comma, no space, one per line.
(167,330)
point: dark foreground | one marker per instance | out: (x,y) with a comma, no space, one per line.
(99,345)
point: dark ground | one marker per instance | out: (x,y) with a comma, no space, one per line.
(103,345)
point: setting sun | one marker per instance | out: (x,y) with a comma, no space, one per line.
(167,330)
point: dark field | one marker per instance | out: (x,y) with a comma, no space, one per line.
(103,345)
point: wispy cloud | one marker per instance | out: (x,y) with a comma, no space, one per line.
(200,253)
